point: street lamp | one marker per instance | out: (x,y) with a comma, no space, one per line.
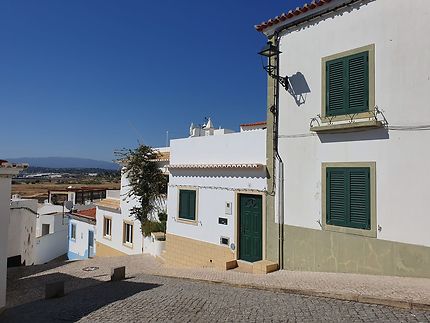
(270,51)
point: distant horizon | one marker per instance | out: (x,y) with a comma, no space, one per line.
(65,162)
(65,157)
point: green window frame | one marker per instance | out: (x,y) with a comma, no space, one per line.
(187,205)
(348,197)
(347,84)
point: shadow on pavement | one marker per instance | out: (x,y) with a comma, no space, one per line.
(19,272)
(76,304)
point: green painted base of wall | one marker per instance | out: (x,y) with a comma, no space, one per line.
(317,250)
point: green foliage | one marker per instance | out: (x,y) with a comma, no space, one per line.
(147,184)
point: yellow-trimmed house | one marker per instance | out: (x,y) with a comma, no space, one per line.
(216,198)
(118,232)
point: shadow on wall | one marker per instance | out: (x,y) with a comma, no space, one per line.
(220,173)
(298,88)
(88,296)
(369,134)
(340,12)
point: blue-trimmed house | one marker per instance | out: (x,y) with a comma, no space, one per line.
(82,226)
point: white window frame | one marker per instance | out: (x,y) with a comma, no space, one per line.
(107,235)
(127,229)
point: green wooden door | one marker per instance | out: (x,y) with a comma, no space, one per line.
(250,224)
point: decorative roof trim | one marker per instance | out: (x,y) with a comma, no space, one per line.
(260,123)
(212,166)
(306,12)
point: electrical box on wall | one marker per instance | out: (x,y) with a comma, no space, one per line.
(224,241)
(228,208)
(222,221)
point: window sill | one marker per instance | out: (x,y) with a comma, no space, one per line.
(359,232)
(347,127)
(128,245)
(107,237)
(185,221)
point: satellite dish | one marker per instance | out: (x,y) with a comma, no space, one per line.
(68,205)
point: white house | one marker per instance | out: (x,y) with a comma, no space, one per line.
(352,176)
(82,228)
(216,198)
(37,232)
(6,172)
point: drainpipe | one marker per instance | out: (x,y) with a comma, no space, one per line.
(278,161)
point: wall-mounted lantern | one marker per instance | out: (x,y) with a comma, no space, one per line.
(270,51)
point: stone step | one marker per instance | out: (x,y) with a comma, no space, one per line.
(258,267)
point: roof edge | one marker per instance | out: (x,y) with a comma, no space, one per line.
(300,14)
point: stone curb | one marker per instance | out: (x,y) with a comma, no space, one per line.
(351,297)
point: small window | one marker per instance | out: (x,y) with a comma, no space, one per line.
(187,205)
(73,232)
(107,227)
(45,229)
(348,197)
(347,85)
(128,233)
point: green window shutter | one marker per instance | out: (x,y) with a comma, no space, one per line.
(336,196)
(187,204)
(347,85)
(358,83)
(336,99)
(359,198)
(348,197)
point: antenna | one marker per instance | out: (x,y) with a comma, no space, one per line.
(167,138)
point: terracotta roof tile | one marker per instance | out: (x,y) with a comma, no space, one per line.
(292,13)
(89,213)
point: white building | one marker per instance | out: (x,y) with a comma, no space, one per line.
(6,172)
(38,233)
(82,228)
(354,191)
(22,232)
(216,197)
(118,232)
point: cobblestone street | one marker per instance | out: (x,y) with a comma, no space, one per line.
(153,298)
(152,292)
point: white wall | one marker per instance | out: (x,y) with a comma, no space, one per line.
(116,240)
(22,230)
(153,246)
(214,187)
(57,222)
(79,247)
(4,225)
(233,148)
(402,51)
(50,247)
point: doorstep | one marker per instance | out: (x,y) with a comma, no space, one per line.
(258,267)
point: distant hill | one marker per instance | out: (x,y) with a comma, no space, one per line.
(64,162)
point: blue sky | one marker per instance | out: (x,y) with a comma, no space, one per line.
(85,77)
